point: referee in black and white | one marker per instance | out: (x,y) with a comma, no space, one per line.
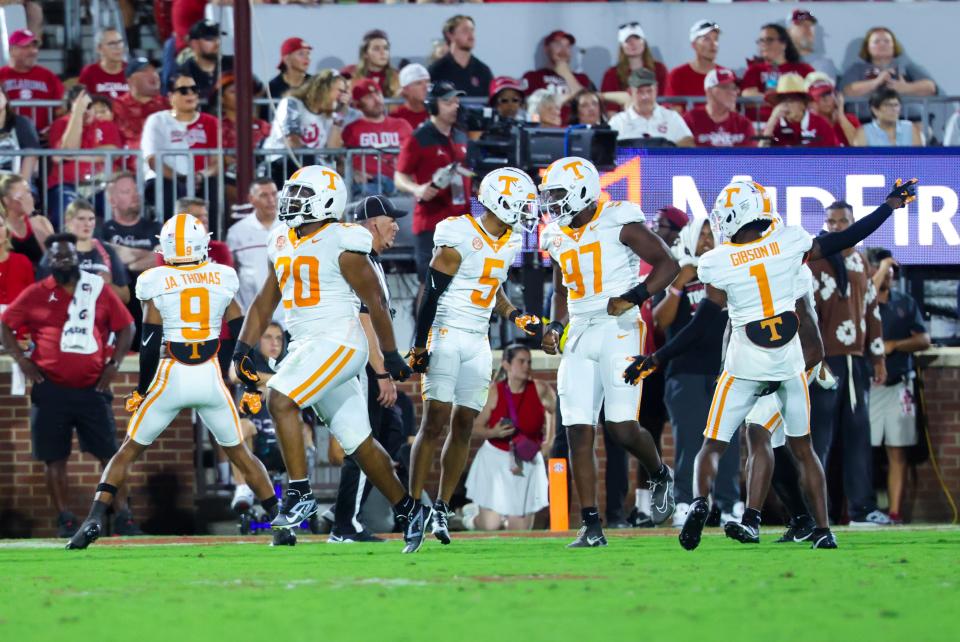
(379,216)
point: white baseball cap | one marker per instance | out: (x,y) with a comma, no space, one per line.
(719,76)
(630,29)
(702,28)
(412,73)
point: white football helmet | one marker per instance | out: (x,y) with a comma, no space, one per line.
(313,193)
(183,239)
(569,185)
(739,203)
(512,196)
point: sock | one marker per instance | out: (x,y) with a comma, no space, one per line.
(405,506)
(98,511)
(590,515)
(302,486)
(751,517)
(223,471)
(643,498)
(270,505)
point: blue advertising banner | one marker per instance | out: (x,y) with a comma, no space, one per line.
(805,182)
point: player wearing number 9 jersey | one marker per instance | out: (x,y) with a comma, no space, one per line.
(184,304)
(471,258)
(753,274)
(320,272)
(596,250)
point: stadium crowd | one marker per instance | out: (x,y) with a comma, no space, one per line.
(188,102)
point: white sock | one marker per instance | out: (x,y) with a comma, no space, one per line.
(643,500)
(223,471)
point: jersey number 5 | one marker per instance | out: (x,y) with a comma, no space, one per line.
(483,299)
(195,308)
(573,277)
(306,287)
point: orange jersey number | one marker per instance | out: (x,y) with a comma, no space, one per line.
(198,313)
(306,287)
(759,272)
(483,299)
(573,277)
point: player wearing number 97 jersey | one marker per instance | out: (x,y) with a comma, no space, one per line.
(184,304)
(596,250)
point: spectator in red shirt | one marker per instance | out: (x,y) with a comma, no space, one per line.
(130,111)
(506,97)
(791,124)
(557,76)
(585,109)
(24,79)
(88,125)
(294,65)
(374,63)
(71,366)
(16,270)
(719,124)
(106,77)
(28,228)
(687,79)
(435,146)
(373,130)
(632,54)
(826,102)
(778,56)
(414,84)
(185,14)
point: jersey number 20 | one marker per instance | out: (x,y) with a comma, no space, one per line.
(306,280)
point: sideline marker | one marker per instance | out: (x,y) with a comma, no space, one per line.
(559,510)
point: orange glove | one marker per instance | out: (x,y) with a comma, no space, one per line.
(418,359)
(529,323)
(251,402)
(640,368)
(133,401)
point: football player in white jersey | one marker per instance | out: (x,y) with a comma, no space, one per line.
(596,249)
(753,274)
(184,304)
(471,257)
(320,271)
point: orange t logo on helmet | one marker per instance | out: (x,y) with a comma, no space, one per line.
(332,176)
(730,192)
(507,181)
(575,166)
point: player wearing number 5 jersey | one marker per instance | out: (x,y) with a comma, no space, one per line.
(596,250)
(320,271)
(753,274)
(471,257)
(184,304)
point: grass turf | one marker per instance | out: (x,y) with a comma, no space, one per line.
(891,584)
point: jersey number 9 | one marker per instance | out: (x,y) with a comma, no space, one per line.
(195,309)
(306,280)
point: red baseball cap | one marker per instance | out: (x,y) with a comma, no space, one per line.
(22,38)
(799,15)
(719,76)
(676,216)
(501,83)
(363,87)
(820,88)
(289,46)
(559,33)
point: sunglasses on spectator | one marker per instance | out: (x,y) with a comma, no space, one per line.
(767,41)
(186,90)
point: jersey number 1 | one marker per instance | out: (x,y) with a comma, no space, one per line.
(759,272)
(306,288)
(573,277)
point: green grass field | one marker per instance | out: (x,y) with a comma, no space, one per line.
(895,584)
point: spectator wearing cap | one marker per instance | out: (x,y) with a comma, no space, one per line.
(427,170)
(802,27)
(633,53)
(557,76)
(373,174)
(790,123)
(459,66)
(687,79)
(373,62)
(506,97)
(586,108)
(203,61)
(544,108)
(644,118)
(883,63)
(826,102)
(888,129)
(24,79)
(719,124)
(144,98)
(414,85)
(106,77)
(778,57)
(247,239)
(379,216)
(294,64)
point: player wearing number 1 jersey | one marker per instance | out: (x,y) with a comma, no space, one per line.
(596,250)
(320,272)
(471,257)
(184,304)
(753,274)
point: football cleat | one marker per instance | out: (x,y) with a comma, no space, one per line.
(824,540)
(662,502)
(294,509)
(589,536)
(798,530)
(363,537)
(124,525)
(872,520)
(86,535)
(693,526)
(66,524)
(413,530)
(639,519)
(743,533)
(438,522)
(243,499)
(284,537)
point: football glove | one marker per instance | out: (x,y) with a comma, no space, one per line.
(243,365)
(906,192)
(396,366)
(251,402)
(529,323)
(133,401)
(418,359)
(641,368)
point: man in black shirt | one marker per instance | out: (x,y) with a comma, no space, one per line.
(460,66)
(294,63)
(204,43)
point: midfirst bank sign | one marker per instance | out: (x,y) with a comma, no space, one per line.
(804,183)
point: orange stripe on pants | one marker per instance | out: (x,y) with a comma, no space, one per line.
(806,393)
(333,373)
(137,417)
(713,403)
(326,364)
(723,401)
(233,408)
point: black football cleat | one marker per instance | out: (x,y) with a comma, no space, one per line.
(823,540)
(639,519)
(284,537)
(743,533)
(798,530)
(86,535)
(415,528)
(438,522)
(693,526)
(662,502)
(589,536)
(294,509)
(361,537)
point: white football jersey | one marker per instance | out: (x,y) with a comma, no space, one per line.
(468,301)
(315,297)
(761,279)
(594,263)
(191,299)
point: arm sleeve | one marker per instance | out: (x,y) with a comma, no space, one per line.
(149,355)
(436,285)
(834,242)
(703,320)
